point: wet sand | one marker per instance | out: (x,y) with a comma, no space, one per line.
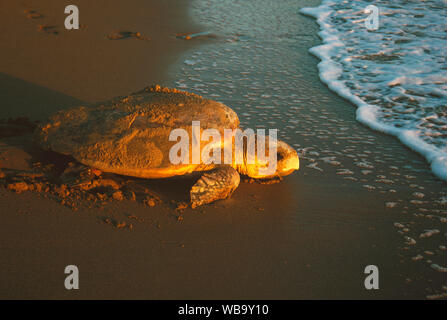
(309,236)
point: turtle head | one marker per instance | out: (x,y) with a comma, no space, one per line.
(281,161)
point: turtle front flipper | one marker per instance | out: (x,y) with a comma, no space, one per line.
(214,185)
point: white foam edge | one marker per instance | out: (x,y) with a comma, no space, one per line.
(366,113)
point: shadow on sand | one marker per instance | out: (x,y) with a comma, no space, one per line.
(20,98)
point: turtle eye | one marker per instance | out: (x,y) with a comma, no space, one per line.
(279,156)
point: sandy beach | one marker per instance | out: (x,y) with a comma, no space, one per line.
(309,237)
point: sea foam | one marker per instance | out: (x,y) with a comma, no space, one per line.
(396,75)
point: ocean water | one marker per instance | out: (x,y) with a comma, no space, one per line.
(259,64)
(397,74)
(253,64)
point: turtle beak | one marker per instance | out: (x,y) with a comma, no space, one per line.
(288,160)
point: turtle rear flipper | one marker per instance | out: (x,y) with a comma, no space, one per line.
(214,185)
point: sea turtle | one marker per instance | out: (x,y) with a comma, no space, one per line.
(130,136)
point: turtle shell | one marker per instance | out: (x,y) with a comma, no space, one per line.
(130,135)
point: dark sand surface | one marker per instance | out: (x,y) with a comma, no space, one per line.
(307,237)
(41,72)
